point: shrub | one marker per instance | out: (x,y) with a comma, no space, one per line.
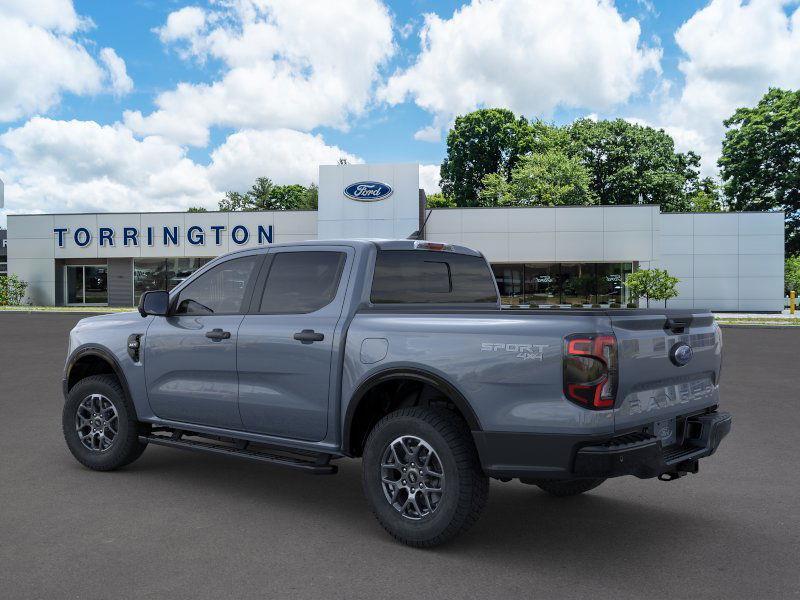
(12,290)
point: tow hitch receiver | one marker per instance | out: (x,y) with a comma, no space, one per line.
(684,468)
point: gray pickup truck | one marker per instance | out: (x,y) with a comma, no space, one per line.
(397,352)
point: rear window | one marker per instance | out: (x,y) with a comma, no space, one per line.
(419,276)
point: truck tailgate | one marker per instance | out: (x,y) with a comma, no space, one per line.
(654,387)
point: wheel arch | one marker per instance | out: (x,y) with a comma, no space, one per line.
(90,360)
(399,374)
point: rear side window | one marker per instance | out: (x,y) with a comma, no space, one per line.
(418,276)
(220,290)
(302,282)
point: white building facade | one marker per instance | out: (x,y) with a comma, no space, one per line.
(540,256)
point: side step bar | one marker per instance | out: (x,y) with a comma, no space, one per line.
(315,464)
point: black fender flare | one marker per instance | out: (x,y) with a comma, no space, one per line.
(107,356)
(416,374)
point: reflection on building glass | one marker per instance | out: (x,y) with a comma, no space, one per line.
(509,283)
(562,283)
(542,284)
(162,273)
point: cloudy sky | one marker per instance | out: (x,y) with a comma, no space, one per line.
(161,105)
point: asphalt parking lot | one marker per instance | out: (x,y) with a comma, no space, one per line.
(183,525)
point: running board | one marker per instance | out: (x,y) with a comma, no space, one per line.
(317,465)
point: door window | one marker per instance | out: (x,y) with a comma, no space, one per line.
(220,290)
(302,282)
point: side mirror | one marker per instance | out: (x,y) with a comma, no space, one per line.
(154,302)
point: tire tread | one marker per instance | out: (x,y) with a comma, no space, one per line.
(473,496)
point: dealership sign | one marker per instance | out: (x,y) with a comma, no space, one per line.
(168,235)
(368,191)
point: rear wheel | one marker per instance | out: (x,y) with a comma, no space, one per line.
(99,424)
(422,476)
(568,487)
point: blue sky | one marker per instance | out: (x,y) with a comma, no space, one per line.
(127,26)
(145,104)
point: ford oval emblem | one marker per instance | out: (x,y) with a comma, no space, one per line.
(681,354)
(368,191)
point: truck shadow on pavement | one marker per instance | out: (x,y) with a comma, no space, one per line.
(520,524)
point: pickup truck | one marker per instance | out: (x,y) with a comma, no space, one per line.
(398,352)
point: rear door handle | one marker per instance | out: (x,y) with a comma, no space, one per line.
(308,336)
(218,335)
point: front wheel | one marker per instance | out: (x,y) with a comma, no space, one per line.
(100,425)
(422,476)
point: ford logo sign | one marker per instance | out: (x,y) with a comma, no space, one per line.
(681,354)
(368,191)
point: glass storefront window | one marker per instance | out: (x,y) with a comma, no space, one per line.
(578,283)
(95,285)
(148,274)
(179,269)
(162,273)
(509,283)
(609,283)
(562,283)
(74,285)
(87,284)
(627,269)
(541,284)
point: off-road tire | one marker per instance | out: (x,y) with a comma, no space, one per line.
(126,446)
(466,486)
(568,487)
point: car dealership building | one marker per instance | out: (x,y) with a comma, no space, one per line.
(540,256)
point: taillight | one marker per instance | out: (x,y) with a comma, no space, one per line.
(435,246)
(590,370)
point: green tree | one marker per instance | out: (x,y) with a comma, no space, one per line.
(12,290)
(652,284)
(234,201)
(197,209)
(760,162)
(706,197)
(627,161)
(312,197)
(791,278)
(288,197)
(259,197)
(439,200)
(495,190)
(265,195)
(485,141)
(548,179)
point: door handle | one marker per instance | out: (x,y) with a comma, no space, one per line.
(218,335)
(308,336)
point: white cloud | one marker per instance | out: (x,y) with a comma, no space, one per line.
(286,65)
(58,15)
(66,166)
(121,83)
(429,178)
(283,155)
(734,51)
(72,166)
(183,24)
(528,55)
(41,58)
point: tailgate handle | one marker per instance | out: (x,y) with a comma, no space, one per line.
(675,326)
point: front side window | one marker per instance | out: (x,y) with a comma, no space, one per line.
(220,290)
(302,282)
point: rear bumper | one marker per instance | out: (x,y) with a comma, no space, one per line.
(547,456)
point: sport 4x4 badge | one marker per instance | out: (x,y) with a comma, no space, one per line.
(523,351)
